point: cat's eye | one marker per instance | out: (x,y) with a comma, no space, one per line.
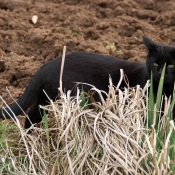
(155,64)
(170,66)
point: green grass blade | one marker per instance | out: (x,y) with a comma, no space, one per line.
(171,108)
(159,92)
(151,104)
(46,126)
(84,100)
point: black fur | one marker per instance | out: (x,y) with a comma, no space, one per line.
(93,69)
(161,54)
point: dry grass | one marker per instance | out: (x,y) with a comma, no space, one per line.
(79,141)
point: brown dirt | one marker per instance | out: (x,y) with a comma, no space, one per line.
(81,25)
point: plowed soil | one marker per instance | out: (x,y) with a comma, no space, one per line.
(81,25)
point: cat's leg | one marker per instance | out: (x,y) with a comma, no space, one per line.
(35,113)
(33,116)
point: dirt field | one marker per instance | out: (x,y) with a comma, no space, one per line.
(81,25)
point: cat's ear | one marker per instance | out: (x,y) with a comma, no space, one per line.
(151,45)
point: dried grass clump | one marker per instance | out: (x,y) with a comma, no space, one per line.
(108,138)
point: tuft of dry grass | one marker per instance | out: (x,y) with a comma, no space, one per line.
(74,140)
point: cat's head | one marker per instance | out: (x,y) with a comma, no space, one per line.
(157,56)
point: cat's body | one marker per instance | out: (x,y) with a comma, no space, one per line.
(89,68)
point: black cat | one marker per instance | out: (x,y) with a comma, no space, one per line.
(157,56)
(93,69)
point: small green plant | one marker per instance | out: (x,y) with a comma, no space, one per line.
(73,33)
(111,47)
(84,99)
(120,52)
